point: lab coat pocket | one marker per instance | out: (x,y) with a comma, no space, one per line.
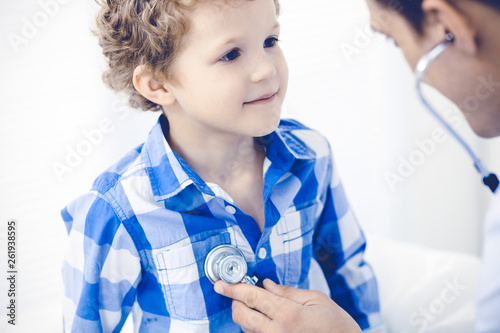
(189,295)
(297,229)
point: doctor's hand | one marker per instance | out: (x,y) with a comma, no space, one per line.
(285,309)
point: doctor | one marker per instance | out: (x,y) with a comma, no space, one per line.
(468,73)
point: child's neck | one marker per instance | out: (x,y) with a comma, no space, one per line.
(233,162)
(224,159)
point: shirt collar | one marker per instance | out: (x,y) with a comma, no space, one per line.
(169,174)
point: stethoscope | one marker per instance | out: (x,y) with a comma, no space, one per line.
(489,179)
(227,263)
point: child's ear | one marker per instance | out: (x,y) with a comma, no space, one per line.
(150,88)
(446,15)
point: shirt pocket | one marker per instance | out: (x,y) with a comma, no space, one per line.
(189,294)
(297,229)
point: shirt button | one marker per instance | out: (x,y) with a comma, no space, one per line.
(262,253)
(231,210)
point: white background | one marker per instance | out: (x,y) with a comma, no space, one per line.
(51,95)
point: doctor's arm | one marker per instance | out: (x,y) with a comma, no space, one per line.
(285,309)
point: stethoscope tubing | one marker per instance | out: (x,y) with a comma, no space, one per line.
(489,179)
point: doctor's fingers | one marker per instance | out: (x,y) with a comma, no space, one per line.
(254,297)
(251,321)
(300,296)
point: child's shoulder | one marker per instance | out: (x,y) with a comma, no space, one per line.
(108,203)
(307,139)
(128,164)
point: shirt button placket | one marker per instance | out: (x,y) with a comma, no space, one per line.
(230,209)
(262,253)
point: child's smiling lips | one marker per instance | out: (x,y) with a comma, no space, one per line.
(263,99)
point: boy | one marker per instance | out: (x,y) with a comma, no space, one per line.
(218,168)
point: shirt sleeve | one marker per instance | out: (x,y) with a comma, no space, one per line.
(339,246)
(488,295)
(101,268)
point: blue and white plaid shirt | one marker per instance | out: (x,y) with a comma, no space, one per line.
(139,238)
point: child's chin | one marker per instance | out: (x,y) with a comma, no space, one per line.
(268,128)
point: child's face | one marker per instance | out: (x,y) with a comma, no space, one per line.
(231,73)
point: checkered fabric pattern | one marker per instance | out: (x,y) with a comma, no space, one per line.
(138,239)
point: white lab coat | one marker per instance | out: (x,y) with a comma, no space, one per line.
(488,300)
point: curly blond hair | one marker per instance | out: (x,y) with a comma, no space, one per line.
(142,32)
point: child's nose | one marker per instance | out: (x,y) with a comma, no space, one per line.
(263,68)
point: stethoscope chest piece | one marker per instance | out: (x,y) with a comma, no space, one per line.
(227,263)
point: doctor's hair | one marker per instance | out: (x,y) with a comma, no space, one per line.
(143,32)
(412,10)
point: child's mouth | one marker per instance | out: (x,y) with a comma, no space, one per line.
(263,99)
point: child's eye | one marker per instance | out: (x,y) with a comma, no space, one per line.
(232,55)
(270,42)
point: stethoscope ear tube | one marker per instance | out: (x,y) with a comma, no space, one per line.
(489,179)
